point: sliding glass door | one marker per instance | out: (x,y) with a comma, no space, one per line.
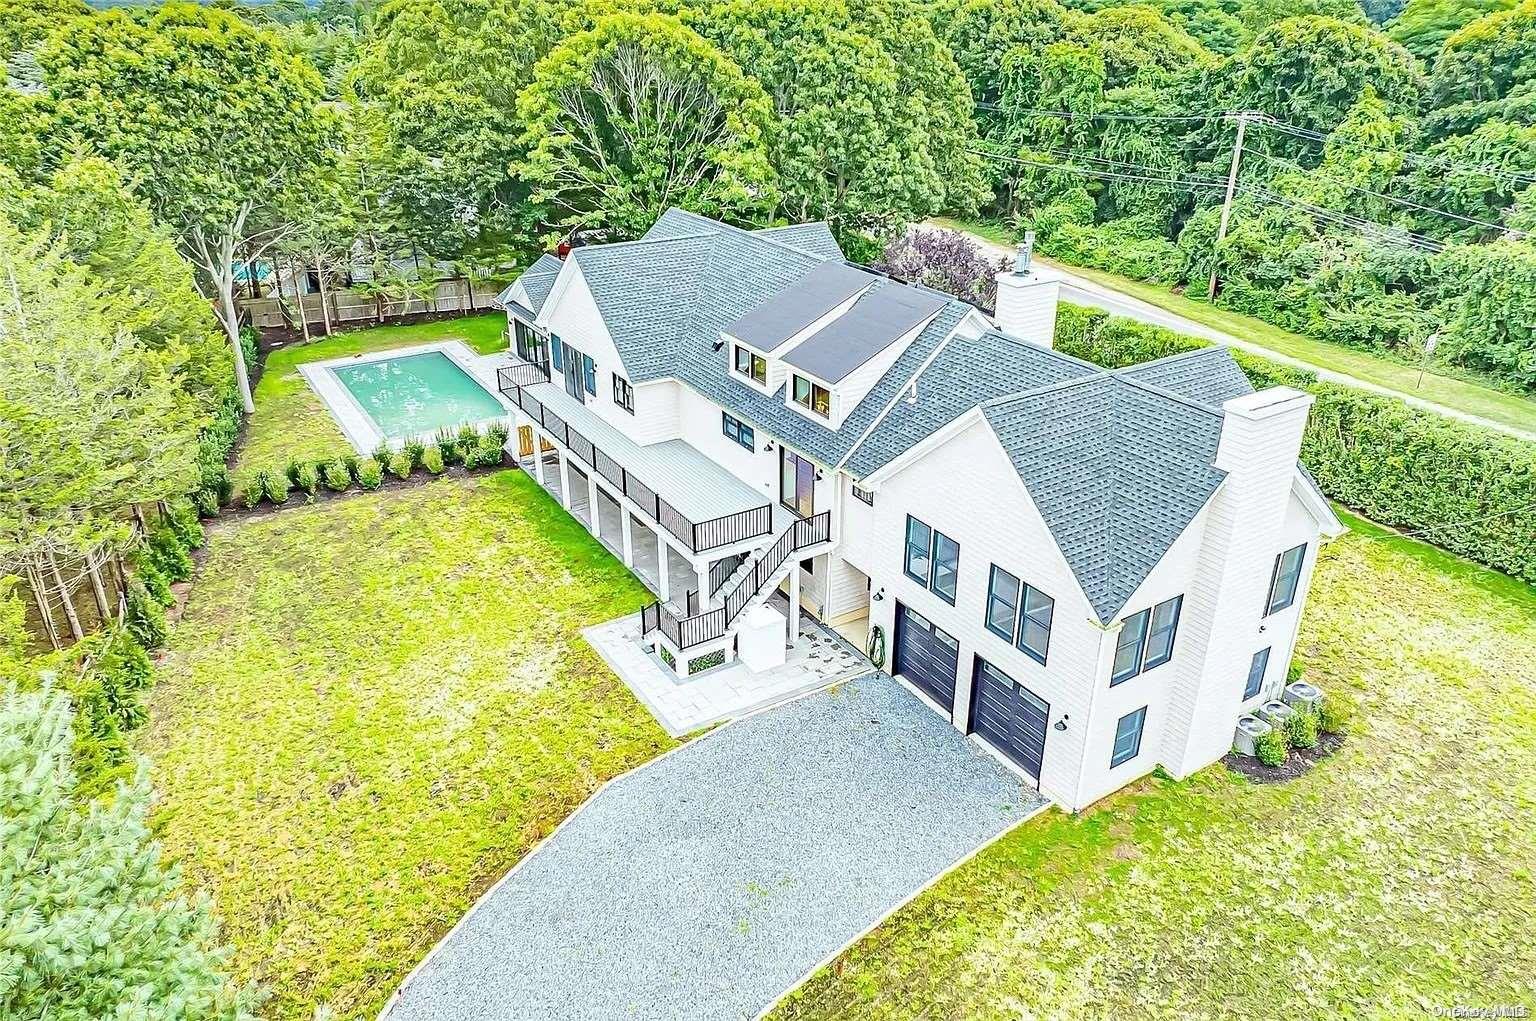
(797,483)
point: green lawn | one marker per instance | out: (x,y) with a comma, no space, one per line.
(371,709)
(291,422)
(1461,394)
(1397,877)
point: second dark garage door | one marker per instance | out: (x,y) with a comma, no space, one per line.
(1009,716)
(926,655)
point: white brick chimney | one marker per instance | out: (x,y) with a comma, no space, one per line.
(1027,296)
(1224,609)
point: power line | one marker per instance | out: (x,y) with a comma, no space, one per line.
(1386,233)
(1424,159)
(1407,203)
(1070,115)
(1093,172)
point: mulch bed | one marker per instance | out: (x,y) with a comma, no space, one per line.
(1298,762)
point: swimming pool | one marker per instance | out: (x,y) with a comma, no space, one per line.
(416,394)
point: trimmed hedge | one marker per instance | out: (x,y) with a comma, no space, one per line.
(1465,488)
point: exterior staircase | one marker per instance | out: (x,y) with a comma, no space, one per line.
(751,583)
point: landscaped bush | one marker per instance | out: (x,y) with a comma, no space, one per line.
(1301,729)
(487,453)
(144,616)
(182,518)
(448,447)
(370,474)
(1271,748)
(308,479)
(432,460)
(351,461)
(400,464)
(253,488)
(277,487)
(381,453)
(1465,488)
(336,475)
(123,670)
(291,471)
(499,432)
(1332,716)
(415,450)
(207,502)
(164,549)
(154,579)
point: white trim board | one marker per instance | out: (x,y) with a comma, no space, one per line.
(356,424)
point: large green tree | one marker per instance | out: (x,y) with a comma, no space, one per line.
(1424,25)
(1309,71)
(92,420)
(94,924)
(640,113)
(212,118)
(840,152)
(1489,58)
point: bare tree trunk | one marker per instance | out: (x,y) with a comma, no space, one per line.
(138,517)
(40,596)
(325,310)
(69,605)
(298,298)
(98,589)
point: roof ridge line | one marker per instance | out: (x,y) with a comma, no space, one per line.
(1059,355)
(1212,348)
(922,367)
(609,245)
(1060,384)
(1159,391)
(756,235)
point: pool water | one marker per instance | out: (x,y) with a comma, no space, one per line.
(417,394)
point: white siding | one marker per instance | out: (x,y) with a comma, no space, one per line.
(994,522)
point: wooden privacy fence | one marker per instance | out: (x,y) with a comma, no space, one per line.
(351,307)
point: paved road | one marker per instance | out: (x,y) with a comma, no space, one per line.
(706,884)
(1083,291)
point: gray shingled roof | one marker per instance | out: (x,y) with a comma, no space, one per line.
(964,374)
(537,280)
(812,238)
(877,320)
(1118,470)
(822,288)
(1118,462)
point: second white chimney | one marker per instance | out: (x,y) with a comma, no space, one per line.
(1026,298)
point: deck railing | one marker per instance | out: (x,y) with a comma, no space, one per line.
(698,628)
(696,536)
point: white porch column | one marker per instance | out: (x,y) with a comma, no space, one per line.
(565,482)
(626,530)
(663,569)
(538,456)
(703,584)
(794,605)
(597,527)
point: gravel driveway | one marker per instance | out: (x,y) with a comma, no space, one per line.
(705,884)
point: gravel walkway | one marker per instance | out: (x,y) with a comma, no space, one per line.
(704,885)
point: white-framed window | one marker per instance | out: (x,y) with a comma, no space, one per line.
(623,393)
(811,395)
(750,364)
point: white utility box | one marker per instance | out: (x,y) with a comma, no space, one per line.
(760,640)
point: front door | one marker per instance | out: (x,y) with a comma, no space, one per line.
(797,483)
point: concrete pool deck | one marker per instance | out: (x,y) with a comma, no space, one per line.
(357,425)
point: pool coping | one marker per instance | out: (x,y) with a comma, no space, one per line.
(354,421)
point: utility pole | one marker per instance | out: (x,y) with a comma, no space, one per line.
(1226,207)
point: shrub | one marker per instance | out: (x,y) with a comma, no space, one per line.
(370,474)
(294,467)
(216,479)
(432,460)
(487,454)
(381,452)
(1294,672)
(308,479)
(1301,729)
(1271,748)
(448,446)
(144,616)
(207,502)
(351,461)
(122,668)
(253,488)
(469,436)
(336,475)
(1332,716)
(165,551)
(415,450)
(400,464)
(277,487)
(183,520)
(154,579)
(499,431)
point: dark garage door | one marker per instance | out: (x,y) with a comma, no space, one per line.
(926,656)
(1009,716)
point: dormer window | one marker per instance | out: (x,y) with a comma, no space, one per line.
(753,366)
(812,396)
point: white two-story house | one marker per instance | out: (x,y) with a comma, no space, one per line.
(1093,572)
